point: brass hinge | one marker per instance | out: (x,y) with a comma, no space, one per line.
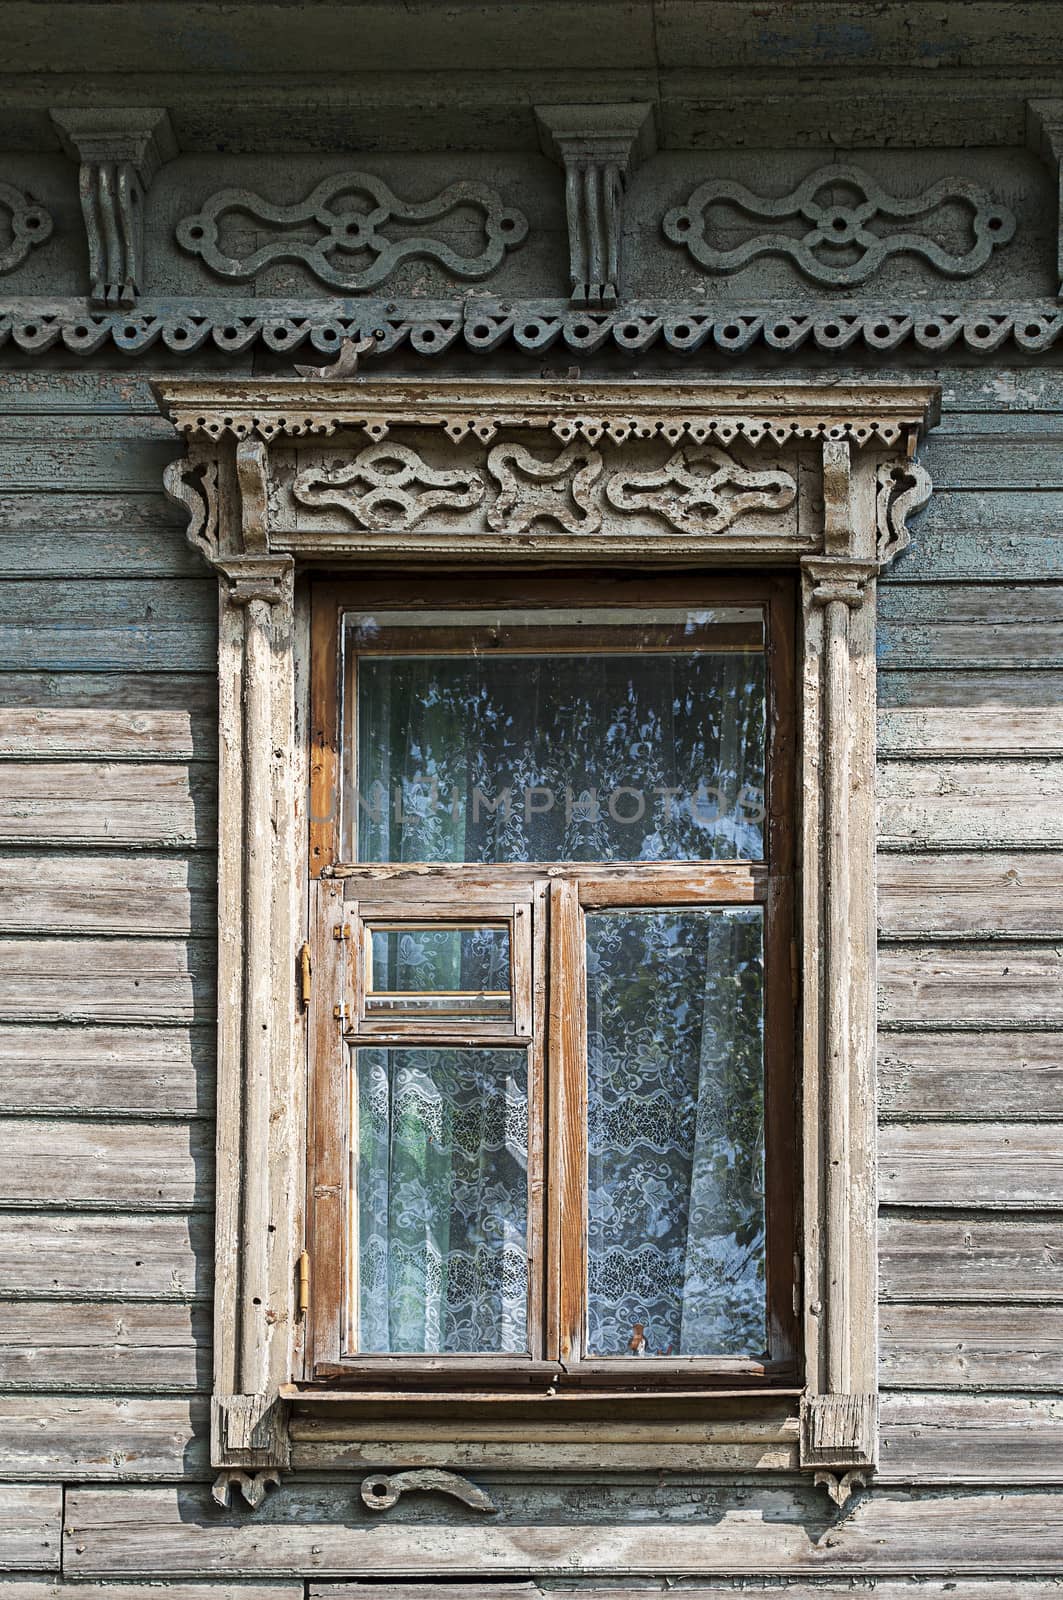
(305,972)
(342,930)
(340,1013)
(304,1283)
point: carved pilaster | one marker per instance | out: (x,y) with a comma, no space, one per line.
(120,150)
(1044,135)
(599,147)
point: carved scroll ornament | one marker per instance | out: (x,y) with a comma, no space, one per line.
(28,224)
(352,210)
(842,207)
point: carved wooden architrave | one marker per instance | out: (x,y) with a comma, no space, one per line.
(820,478)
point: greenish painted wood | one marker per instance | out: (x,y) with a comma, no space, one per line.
(108,625)
(49,534)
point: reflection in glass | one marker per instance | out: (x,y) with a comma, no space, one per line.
(433,971)
(676,1135)
(439,1159)
(643,743)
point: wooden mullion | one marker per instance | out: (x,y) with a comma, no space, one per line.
(566,1046)
(327,1183)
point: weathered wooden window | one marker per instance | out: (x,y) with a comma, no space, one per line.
(553,1101)
(524,1034)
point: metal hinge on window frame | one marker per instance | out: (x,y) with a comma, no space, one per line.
(304,1283)
(305,974)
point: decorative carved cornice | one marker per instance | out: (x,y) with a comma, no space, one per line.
(433,327)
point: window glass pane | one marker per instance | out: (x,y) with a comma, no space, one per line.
(439,1180)
(433,971)
(595,735)
(676,1133)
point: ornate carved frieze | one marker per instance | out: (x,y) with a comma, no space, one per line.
(431,328)
(120,151)
(27,223)
(388,485)
(850,226)
(352,210)
(599,147)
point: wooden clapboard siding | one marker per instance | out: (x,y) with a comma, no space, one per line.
(94,536)
(116,1347)
(138,804)
(964,1076)
(927,1346)
(1021,453)
(942,805)
(775,1529)
(160,981)
(1005,986)
(945,1438)
(988,535)
(970,895)
(815,1589)
(970,1256)
(115,893)
(86,1437)
(112,625)
(113,1166)
(61,1070)
(57,716)
(67,1255)
(1010,1165)
(917,731)
(113,454)
(971,625)
(31,1528)
(280,1589)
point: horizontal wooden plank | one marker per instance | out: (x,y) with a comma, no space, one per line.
(119,1348)
(1016,1165)
(971,730)
(138,804)
(1012,460)
(971,625)
(116,1166)
(125,1438)
(985,1077)
(927,805)
(31,1528)
(756,1529)
(1009,986)
(266,1589)
(160,981)
(40,392)
(141,894)
(989,535)
(817,1589)
(136,1072)
(970,1257)
(54,716)
(972,690)
(970,1347)
(62,456)
(1000,1439)
(968,895)
(113,625)
(64,1254)
(94,536)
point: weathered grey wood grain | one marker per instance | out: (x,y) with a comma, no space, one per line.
(31,1528)
(971,896)
(117,1348)
(1028,458)
(130,1071)
(928,805)
(162,981)
(277,1589)
(933,1438)
(1011,1165)
(818,1589)
(93,536)
(989,535)
(125,1439)
(1011,986)
(139,804)
(307,1528)
(68,1255)
(119,455)
(970,1347)
(110,1166)
(964,1076)
(971,625)
(950,730)
(108,716)
(970,1258)
(110,625)
(141,894)
(972,690)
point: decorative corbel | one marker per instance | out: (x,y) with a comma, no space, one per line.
(120,150)
(599,146)
(1044,136)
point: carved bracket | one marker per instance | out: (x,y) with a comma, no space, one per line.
(252,1485)
(599,147)
(380,1493)
(847,235)
(120,151)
